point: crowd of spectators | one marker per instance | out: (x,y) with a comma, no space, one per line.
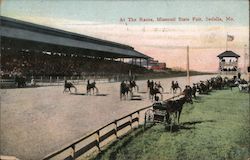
(34,64)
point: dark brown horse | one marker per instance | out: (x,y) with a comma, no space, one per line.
(153,91)
(68,85)
(133,85)
(159,86)
(175,106)
(125,89)
(92,86)
(174,87)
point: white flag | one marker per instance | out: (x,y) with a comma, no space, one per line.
(230,38)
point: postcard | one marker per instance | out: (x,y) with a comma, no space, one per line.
(143,79)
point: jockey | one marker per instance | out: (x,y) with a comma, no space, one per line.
(176,84)
(172,83)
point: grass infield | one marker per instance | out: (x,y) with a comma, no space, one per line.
(215,127)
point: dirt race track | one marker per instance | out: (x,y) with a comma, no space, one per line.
(38,121)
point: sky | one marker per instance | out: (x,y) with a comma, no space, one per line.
(161,29)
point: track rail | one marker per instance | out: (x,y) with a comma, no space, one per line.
(95,139)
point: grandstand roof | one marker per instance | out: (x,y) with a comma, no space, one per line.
(228,54)
(19,33)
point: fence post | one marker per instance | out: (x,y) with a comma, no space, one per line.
(77,79)
(73,155)
(138,112)
(131,121)
(98,140)
(116,129)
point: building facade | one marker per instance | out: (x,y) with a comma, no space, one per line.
(228,63)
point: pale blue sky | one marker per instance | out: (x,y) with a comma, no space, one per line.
(112,11)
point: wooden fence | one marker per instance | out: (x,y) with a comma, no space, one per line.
(102,136)
(59,80)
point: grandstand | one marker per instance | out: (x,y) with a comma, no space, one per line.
(34,50)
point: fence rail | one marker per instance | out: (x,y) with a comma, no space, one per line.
(70,152)
(59,80)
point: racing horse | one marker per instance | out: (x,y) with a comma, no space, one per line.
(174,87)
(125,89)
(92,86)
(158,85)
(133,85)
(149,84)
(153,91)
(68,85)
(175,107)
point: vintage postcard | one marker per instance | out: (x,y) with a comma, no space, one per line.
(124,80)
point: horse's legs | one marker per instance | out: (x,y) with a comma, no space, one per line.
(179,115)
(152,97)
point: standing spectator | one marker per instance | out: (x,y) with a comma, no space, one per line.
(239,75)
(194,91)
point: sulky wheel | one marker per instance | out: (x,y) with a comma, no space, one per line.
(149,117)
